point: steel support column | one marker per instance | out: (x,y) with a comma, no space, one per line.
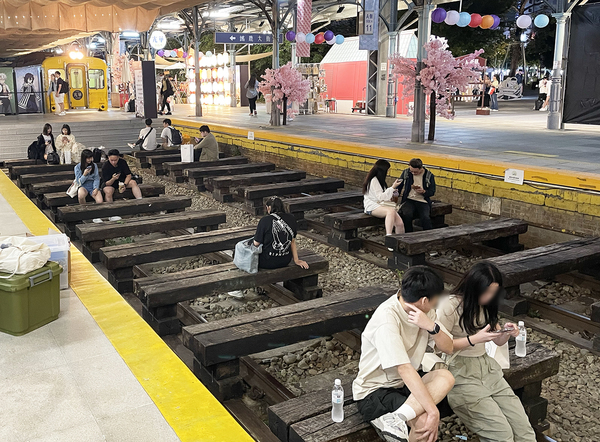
(372,80)
(275,31)
(232,77)
(420,101)
(197,61)
(556,102)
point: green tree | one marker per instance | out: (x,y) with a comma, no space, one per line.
(540,49)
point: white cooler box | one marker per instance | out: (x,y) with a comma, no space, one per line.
(59,247)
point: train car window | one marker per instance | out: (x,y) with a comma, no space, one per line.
(76,78)
(96,79)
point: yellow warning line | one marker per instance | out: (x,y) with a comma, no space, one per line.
(189,408)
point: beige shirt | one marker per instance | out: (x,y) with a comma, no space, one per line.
(210,148)
(413,195)
(448,314)
(388,341)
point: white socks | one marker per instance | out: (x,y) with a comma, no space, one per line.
(406,412)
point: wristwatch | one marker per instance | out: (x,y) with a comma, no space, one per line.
(436,329)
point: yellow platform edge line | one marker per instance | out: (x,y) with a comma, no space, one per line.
(544,175)
(188,407)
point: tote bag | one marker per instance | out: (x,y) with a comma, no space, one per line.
(19,255)
(246,255)
(73,188)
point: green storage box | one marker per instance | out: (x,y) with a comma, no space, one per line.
(29,301)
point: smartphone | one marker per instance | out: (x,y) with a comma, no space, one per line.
(504,330)
(89,167)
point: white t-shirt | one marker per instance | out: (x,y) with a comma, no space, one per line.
(413,195)
(167,135)
(150,141)
(543,86)
(388,341)
(375,195)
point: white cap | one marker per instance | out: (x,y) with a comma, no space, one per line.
(521,324)
(338,382)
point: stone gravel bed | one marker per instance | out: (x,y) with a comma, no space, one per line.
(222,306)
(558,293)
(573,394)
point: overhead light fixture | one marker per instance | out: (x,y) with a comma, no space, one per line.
(100,40)
(93,45)
(340,9)
(58,51)
(170,25)
(130,34)
(76,55)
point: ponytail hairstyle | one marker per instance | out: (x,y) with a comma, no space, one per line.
(379,171)
(275,204)
(85,154)
(474,284)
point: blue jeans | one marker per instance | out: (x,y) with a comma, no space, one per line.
(494,101)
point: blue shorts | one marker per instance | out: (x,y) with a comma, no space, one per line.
(89,186)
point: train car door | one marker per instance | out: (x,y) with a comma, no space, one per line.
(77,85)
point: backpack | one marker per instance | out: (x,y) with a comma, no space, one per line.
(97,155)
(176,137)
(65,87)
(32,151)
(53,158)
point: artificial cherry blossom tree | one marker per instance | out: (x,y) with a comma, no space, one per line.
(442,76)
(283,85)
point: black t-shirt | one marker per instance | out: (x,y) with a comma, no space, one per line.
(61,82)
(276,237)
(108,170)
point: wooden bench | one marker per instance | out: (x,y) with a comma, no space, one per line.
(218,345)
(140,157)
(9,164)
(175,170)
(222,185)
(410,248)
(41,169)
(120,259)
(73,215)
(38,190)
(36,178)
(344,226)
(55,200)
(307,418)
(196,177)
(545,262)
(297,206)
(156,161)
(93,236)
(255,195)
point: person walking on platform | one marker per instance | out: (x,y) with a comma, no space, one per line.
(116,177)
(416,190)
(494,93)
(166,92)
(86,172)
(391,391)
(481,397)
(208,148)
(252,94)
(378,198)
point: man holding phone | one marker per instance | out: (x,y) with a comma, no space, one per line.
(416,190)
(116,176)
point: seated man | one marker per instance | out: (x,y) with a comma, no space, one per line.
(171,136)
(208,148)
(116,176)
(147,138)
(389,391)
(417,188)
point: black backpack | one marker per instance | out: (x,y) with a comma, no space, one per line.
(32,151)
(53,158)
(97,155)
(176,137)
(65,87)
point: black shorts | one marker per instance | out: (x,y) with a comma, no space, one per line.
(387,400)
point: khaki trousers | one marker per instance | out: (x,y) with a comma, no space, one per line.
(485,403)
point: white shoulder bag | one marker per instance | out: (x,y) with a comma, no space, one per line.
(19,256)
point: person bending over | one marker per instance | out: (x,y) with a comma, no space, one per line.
(417,188)
(390,390)
(378,197)
(277,234)
(116,177)
(481,397)
(208,148)
(89,178)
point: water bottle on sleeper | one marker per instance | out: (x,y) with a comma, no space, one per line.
(521,348)
(337,402)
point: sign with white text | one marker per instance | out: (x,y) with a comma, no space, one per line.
(245,38)
(514,176)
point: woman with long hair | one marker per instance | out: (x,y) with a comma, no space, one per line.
(64,143)
(481,397)
(378,197)
(86,172)
(45,142)
(252,93)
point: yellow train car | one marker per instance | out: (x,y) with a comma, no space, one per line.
(87,79)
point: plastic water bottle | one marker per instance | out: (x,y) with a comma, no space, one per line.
(337,402)
(521,348)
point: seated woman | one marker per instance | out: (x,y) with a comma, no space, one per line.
(277,234)
(45,143)
(376,194)
(64,143)
(89,178)
(481,397)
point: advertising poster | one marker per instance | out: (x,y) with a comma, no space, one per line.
(29,90)
(7,91)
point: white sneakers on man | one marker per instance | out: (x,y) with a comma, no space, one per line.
(62,114)
(391,428)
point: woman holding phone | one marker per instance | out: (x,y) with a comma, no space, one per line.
(481,397)
(86,172)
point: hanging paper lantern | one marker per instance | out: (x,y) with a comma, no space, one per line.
(524,21)
(541,21)
(464,20)
(438,15)
(290,35)
(452,18)
(487,21)
(300,37)
(160,53)
(339,39)
(319,38)
(185,54)
(475,20)
(332,41)
(208,54)
(200,54)
(329,35)
(496,22)
(179,53)
(310,39)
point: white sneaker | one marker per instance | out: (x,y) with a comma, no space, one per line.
(131,145)
(543,109)
(391,428)
(63,113)
(236,294)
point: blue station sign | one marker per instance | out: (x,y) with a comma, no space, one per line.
(243,38)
